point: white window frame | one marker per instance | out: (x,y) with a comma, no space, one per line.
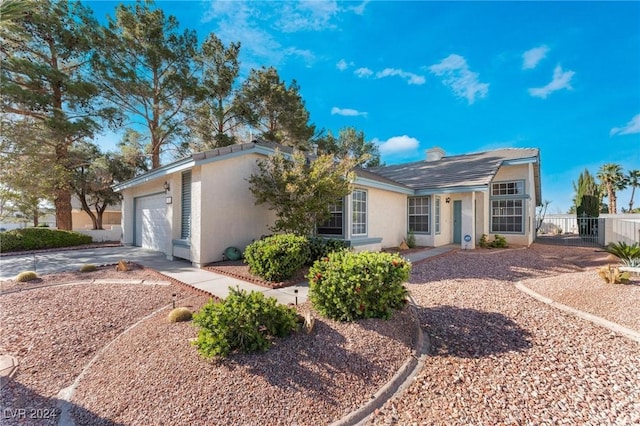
(508,200)
(359,206)
(335,209)
(418,211)
(437,214)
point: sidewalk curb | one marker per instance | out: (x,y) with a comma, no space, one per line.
(616,328)
(398,383)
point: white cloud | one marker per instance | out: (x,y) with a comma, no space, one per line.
(359,9)
(397,145)
(343,65)
(347,112)
(456,75)
(409,76)
(306,15)
(630,128)
(532,57)
(363,72)
(561,80)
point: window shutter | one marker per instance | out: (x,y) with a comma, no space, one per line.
(185,229)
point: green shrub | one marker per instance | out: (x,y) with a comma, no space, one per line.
(27,276)
(321,247)
(245,322)
(411,240)
(499,242)
(40,238)
(346,286)
(629,255)
(277,258)
(89,267)
(179,315)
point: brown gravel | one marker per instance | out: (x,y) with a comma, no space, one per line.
(500,357)
(55,331)
(497,355)
(239,269)
(103,272)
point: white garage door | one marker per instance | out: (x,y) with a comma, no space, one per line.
(152,224)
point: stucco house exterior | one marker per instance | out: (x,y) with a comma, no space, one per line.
(196,207)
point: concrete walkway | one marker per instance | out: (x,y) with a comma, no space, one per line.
(181,270)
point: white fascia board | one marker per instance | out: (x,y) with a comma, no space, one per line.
(518,161)
(178,166)
(189,163)
(451,190)
(370,183)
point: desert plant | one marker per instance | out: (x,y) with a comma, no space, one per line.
(245,322)
(411,240)
(179,315)
(278,257)
(40,238)
(499,242)
(122,266)
(346,286)
(89,267)
(484,243)
(612,275)
(629,255)
(27,276)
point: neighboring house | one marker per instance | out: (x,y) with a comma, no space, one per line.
(196,207)
(112,216)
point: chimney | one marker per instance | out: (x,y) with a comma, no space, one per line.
(435,154)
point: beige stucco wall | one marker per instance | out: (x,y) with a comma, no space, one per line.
(81,219)
(386,215)
(229,216)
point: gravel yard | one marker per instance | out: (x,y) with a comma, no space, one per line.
(501,357)
(497,356)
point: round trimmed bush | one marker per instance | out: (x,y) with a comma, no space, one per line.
(245,322)
(27,276)
(278,257)
(320,247)
(346,286)
(179,314)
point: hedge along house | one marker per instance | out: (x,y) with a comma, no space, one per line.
(196,207)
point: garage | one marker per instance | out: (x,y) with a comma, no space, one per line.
(152,229)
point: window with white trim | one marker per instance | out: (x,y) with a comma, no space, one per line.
(333,225)
(436,216)
(359,213)
(507,207)
(419,214)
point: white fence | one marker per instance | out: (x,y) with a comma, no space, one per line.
(102,235)
(611,228)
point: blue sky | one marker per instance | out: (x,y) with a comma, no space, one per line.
(464,76)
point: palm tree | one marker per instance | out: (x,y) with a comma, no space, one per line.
(612,179)
(633,180)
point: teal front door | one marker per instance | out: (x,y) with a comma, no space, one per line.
(457,222)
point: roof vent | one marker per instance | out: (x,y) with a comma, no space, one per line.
(435,154)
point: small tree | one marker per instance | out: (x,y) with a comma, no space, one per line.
(300,191)
(587,203)
(541,213)
(351,143)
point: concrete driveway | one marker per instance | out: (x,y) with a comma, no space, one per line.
(72,260)
(182,270)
